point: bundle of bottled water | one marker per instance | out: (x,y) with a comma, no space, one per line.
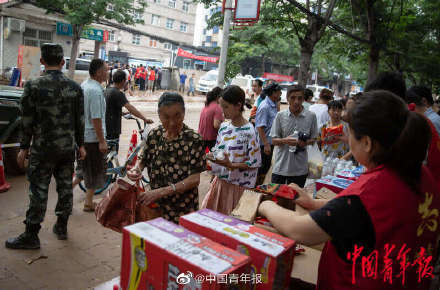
(334,166)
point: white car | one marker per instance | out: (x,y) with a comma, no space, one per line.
(244,82)
(207,82)
(81,68)
(316,91)
(284,86)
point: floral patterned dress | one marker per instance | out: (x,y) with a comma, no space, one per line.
(338,149)
(170,162)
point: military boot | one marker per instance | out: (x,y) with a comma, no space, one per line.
(60,228)
(27,240)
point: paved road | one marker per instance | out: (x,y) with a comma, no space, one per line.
(91,255)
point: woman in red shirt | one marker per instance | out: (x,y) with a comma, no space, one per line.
(382,231)
(211,117)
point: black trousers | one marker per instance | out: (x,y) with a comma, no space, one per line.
(280,179)
(266,161)
(209,143)
(141,84)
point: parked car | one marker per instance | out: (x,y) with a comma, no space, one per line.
(207,82)
(284,86)
(316,91)
(9,126)
(244,82)
(81,68)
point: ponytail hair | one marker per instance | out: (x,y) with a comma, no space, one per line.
(213,95)
(400,138)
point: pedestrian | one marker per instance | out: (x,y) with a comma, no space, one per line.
(115,100)
(258,95)
(142,76)
(264,118)
(321,109)
(95,131)
(335,146)
(291,163)
(421,96)
(308,96)
(52,117)
(174,158)
(159,78)
(237,169)
(183,77)
(192,79)
(151,79)
(211,118)
(384,214)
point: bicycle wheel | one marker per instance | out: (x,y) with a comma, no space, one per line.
(109,179)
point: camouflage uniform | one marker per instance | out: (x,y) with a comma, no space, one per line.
(52,110)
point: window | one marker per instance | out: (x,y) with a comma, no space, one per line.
(34,37)
(172,3)
(183,26)
(214,44)
(203,44)
(155,19)
(137,15)
(153,43)
(170,23)
(208,39)
(136,39)
(215,29)
(185,6)
(112,36)
(206,17)
(168,46)
(110,7)
(186,64)
(204,31)
(80,64)
(156,1)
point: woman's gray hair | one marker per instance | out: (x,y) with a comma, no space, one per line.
(169,98)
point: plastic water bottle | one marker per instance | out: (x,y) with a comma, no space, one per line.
(334,164)
(326,167)
(292,149)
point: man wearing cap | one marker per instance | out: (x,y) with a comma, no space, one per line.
(52,117)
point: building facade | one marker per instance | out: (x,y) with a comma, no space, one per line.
(204,37)
(171,19)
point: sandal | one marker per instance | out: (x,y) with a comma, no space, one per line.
(89,208)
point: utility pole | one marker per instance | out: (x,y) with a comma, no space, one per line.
(225,44)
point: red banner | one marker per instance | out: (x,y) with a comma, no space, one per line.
(184,53)
(105,36)
(277,77)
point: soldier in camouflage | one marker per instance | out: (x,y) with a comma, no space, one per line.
(52,112)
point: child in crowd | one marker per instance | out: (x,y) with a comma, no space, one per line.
(334,133)
(237,169)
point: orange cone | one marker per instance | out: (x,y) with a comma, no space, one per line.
(133,144)
(4,186)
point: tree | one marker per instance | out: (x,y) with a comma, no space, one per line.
(80,13)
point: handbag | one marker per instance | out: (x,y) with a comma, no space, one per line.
(120,207)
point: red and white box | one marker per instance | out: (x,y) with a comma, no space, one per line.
(161,255)
(271,254)
(333,183)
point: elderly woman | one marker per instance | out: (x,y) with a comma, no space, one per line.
(174,158)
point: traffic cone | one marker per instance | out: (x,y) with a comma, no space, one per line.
(133,144)
(4,186)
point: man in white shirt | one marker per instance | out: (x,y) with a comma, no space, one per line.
(320,109)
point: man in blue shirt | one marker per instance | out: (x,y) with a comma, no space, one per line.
(264,118)
(422,97)
(183,77)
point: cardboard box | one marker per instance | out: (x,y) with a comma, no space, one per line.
(348,174)
(161,255)
(333,183)
(272,254)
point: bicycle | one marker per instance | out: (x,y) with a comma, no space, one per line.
(114,169)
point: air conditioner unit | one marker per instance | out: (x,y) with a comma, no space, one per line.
(16,24)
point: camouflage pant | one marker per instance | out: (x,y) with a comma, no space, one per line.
(39,175)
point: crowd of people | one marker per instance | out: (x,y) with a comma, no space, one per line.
(391,131)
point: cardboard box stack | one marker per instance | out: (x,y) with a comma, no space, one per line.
(161,255)
(271,254)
